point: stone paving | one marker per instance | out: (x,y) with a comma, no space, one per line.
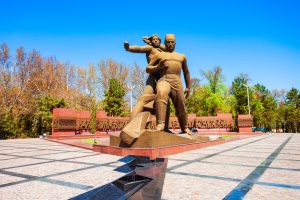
(262,167)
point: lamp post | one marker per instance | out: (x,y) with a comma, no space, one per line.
(131,94)
(248,97)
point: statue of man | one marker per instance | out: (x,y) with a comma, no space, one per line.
(169,65)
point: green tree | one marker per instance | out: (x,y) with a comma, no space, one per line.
(293,111)
(8,126)
(264,107)
(293,98)
(195,101)
(239,91)
(215,78)
(93,115)
(206,99)
(43,115)
(216,94)
(114,98)
(281,117)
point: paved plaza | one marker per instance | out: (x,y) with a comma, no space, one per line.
(262,167)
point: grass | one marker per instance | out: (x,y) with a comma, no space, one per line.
(90,141)
(226,136)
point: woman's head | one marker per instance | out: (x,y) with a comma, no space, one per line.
(154,40)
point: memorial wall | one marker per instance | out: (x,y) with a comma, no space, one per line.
(70,122)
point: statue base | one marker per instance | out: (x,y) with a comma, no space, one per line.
(156,139)
(156,144)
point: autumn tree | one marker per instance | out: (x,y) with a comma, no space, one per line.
(110,69)
(137,80)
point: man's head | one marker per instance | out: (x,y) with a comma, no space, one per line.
(170,42)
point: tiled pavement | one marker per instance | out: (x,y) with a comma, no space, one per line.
(263,167)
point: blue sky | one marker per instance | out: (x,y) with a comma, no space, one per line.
(261,38)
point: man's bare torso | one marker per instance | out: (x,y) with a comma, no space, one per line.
(172,60)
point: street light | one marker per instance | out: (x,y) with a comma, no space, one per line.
(131,94)
(248,97)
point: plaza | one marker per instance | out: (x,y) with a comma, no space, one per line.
(261,167)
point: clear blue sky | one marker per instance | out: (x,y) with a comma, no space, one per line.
(258,37)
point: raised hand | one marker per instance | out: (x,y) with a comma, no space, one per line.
(146,40)
(162,64)
(126,45)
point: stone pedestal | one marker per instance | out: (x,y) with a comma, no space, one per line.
(245,123)
(247,130)
(155,144)
(156,139)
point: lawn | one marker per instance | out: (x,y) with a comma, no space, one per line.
(91,141)
(226,136)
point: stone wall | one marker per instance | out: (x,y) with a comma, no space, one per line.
(68,121)
(245,123)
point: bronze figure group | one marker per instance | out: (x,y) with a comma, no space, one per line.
(164,82)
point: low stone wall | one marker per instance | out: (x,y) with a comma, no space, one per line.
(68,121)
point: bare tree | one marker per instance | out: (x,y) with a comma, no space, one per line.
(279,95)
(111,69)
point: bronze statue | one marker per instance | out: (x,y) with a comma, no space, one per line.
(169,65)
(164,81)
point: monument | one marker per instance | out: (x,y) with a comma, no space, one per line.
(164,83)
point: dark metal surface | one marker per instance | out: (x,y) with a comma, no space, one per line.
(143,179)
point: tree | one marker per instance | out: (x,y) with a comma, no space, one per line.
(43,116)
(293,110)
(215,78)
(110,69)
(263,107)
(279,95)
(215,95)
(206,99)
(114,98)
(239,91)
(194,103)
(25,79)
(7,126)
(137,81)
(293,98)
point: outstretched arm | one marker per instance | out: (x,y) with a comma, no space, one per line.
(187,78)
(137,49)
